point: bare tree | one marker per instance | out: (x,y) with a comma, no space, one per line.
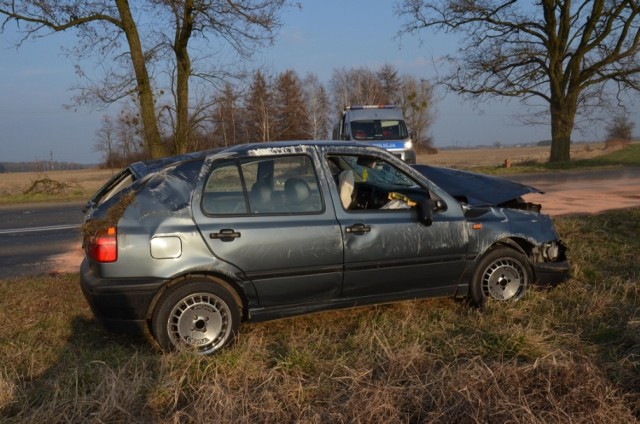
(129,135)
(416,101)
(106,142)
(227,118)
(317,107)
(259,108)
(121,139)
(39,18)
(569,54)
(357,86)
(620,128)
(243,24)
(104,25)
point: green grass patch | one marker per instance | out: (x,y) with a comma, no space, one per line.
(570,351)
(629,156)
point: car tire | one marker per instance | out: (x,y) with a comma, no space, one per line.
(502,274)
(198,315)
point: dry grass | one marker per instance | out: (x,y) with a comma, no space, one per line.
(78,184)
(569,354)
(496,157)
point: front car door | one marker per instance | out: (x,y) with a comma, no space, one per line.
(386,249)
(268,215)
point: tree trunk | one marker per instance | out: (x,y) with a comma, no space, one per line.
(562,119)
(153,142)
(183,65)
(182,103)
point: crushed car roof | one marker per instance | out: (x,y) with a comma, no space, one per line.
(473,188)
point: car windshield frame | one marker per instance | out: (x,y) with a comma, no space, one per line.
(378,129)
(375,170)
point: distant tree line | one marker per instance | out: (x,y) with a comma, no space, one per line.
(263,108)
(39,166)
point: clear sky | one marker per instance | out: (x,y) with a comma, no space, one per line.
(35,80)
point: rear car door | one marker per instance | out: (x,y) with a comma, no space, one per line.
(268,216)
(387,249)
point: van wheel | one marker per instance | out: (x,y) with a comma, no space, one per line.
(502,274)
(199,315)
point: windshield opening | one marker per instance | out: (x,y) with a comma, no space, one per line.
(372,169)
(379,129)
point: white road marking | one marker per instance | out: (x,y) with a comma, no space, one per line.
(37,229)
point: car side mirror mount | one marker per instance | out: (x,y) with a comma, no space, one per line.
(425,212)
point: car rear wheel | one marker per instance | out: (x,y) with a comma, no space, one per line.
(502,274)
(199,315)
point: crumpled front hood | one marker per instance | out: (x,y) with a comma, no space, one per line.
(473,188)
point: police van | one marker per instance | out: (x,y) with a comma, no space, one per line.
(379,125)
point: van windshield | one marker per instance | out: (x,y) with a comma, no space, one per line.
(379,129)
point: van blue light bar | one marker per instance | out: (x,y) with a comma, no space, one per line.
(355,107)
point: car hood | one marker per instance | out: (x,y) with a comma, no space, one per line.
(473,188)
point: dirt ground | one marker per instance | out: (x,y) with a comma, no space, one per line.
(497,156)
(68,262)
(587,196)
(562,197)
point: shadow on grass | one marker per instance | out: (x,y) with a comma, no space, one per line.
(88,376)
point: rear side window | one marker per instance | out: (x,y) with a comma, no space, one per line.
(264,185)
(114,186)
(224,193)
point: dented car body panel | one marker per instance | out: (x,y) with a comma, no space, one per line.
(277,226)
(473,188)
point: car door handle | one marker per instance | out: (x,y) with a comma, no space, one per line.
(226,234)
(358,229)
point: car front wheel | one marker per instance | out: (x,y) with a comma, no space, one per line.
(502,274)
(199,315)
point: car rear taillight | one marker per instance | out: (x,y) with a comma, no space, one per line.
(103,247)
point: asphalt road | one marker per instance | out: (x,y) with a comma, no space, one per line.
(32,236)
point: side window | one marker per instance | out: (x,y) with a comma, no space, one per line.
(263,185)
(286,184)
(370,183)
(223,192)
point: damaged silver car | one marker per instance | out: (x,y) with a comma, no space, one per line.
(191,246)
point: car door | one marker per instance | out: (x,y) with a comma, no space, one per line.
(268,216)
(386,247)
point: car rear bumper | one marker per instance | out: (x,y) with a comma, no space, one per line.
(119,305)
(551,273)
